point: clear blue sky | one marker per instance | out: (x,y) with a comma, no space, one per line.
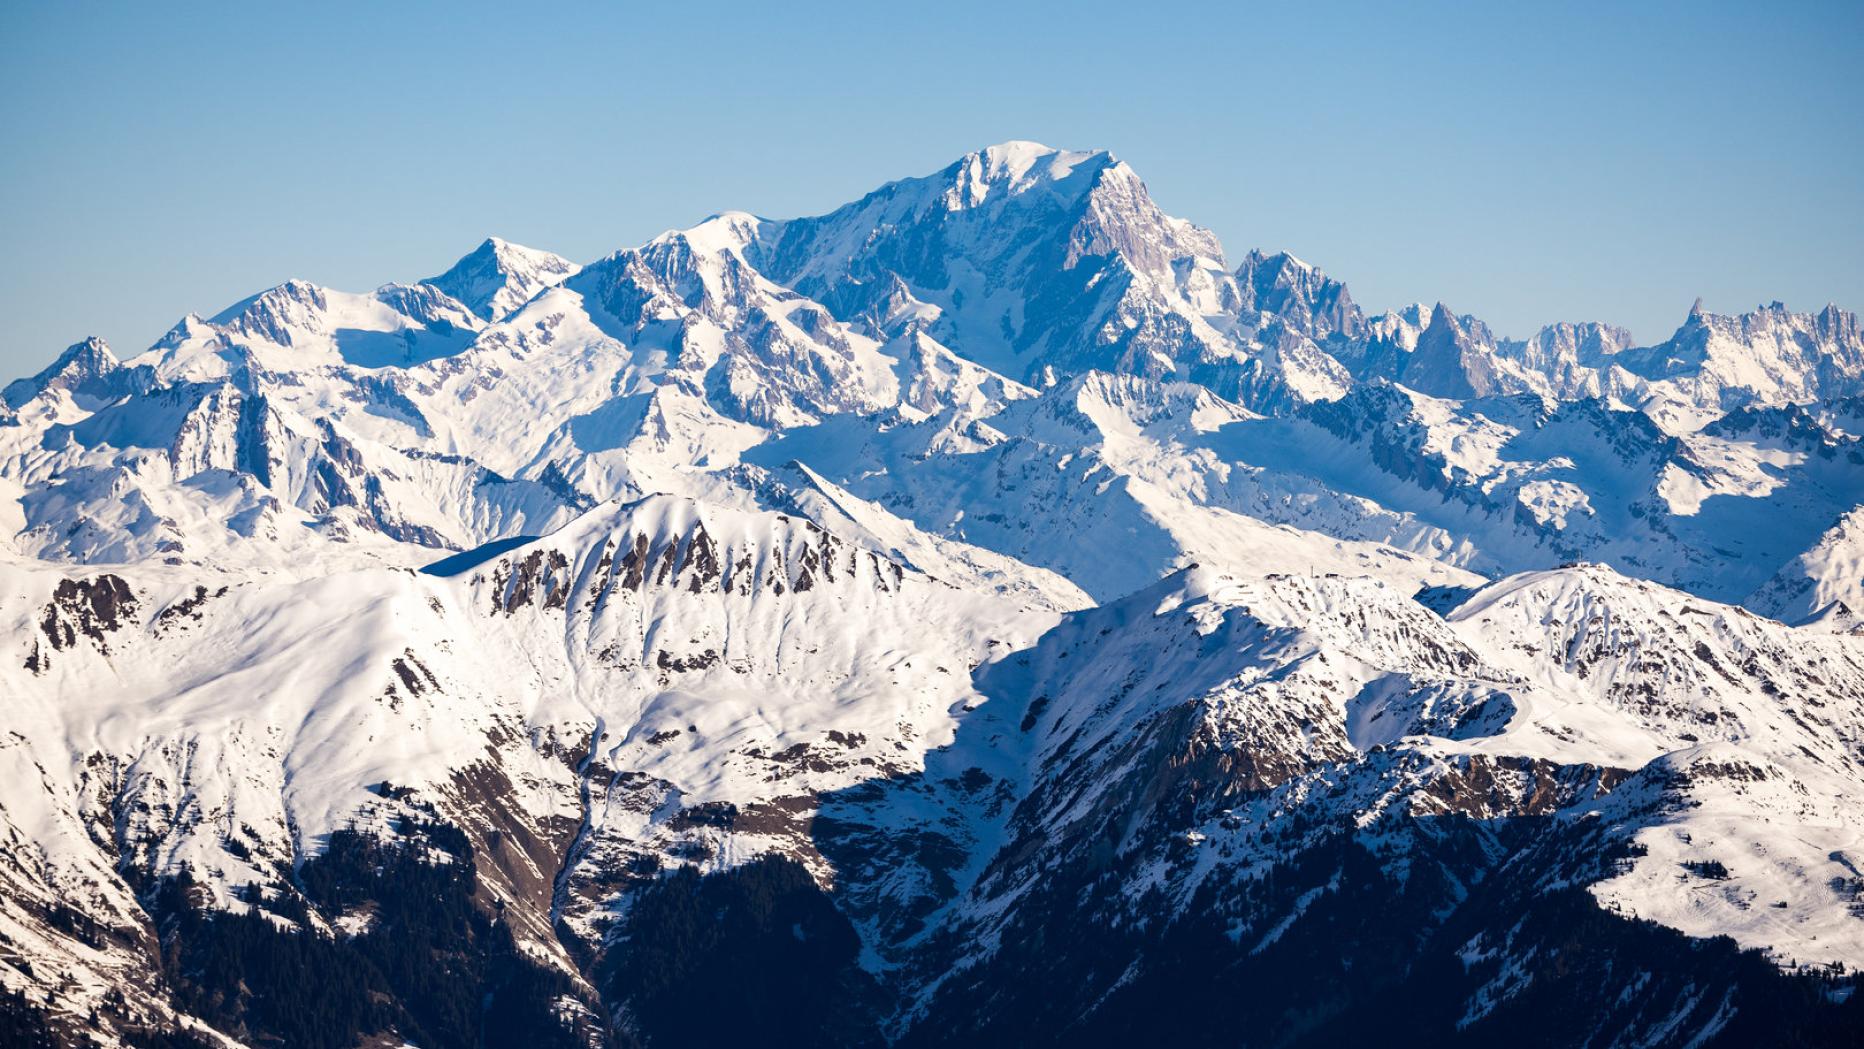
(1527,163)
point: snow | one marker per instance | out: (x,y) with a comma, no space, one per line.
(499,276)
(1054,476)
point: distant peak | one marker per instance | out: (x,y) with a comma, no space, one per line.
(489,251)
(1018,165)
(497,277)
(1021,145)
(723,232)
(87,357)
(273,300)
(1275,261)
(504,251)
(508,252)
(90,347)
(82,362)
(1017,154)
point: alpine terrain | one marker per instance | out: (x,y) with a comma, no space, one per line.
(984,614)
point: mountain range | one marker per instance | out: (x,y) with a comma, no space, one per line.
(981,614)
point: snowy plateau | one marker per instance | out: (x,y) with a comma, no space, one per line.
(984,614)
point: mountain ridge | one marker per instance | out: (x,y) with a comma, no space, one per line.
(980,613)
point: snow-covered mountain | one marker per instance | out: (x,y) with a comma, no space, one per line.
(977,615)
(497,277)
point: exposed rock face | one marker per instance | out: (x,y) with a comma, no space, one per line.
(1303,297)
(81,608)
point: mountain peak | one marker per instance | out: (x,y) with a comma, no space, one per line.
(1013,168)
(1274,262)
(1314,303)
(1024,146)
(90,351)
(497,277)
(727,231)
(82,363)
(1018,157)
